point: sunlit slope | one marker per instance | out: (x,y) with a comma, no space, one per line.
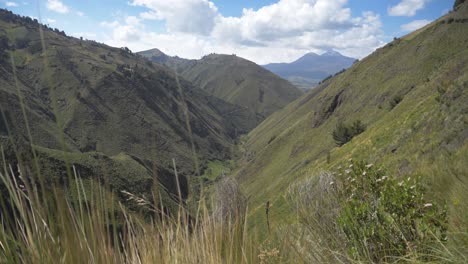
(235,80)
(425,134)
(242,82)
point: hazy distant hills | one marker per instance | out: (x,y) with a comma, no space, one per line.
(307,71)
(235,80)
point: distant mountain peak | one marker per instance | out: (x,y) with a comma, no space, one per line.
(331,53)
(307,71)
(311,54)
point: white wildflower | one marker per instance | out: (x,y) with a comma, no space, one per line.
(369,165)
(364,173)
(427,205)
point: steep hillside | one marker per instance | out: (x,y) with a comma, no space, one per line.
(411,95)
(235,80)
(101,104)
(307,71)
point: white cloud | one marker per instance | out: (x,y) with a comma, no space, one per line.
(187,16)
(111,24)
(80,14)
(407,7)
(414,25)
(129,30)
(11,4)
(278,32)
(50,21)
(57,6)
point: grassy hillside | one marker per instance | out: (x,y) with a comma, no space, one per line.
(411,95)
(96,102)
(235,80)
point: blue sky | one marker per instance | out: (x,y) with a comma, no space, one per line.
(260,30)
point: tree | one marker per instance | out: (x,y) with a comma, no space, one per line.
(341,134)
(344,133)
(457,3)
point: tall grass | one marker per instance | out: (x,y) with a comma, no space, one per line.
(74,225)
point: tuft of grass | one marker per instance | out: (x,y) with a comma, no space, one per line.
(76,224)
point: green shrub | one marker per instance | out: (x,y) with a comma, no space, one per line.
(343,133)
(386,217)
(395,101)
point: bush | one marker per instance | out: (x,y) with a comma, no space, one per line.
(383,216)
(231,202)
(395,101)
(344,133)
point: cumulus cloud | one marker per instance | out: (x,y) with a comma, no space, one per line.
(414,25)
(407,7)
(11,4)
(57,6)
(282,31)
(130,30)
(186,16)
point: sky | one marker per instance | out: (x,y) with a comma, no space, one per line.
(263,31)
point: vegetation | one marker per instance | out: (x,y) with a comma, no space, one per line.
(395,101)
(381,216)
(343,133)
(358,214)
(79,224)
(458,3)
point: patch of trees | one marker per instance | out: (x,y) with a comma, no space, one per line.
(457,3)
(343,132)
(11,17)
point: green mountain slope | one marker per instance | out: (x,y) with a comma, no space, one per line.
(424,134)
(235,80)
(105,105)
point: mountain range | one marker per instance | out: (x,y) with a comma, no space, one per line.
(307,71)
(235,80)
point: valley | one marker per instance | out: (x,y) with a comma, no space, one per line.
(140,157)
